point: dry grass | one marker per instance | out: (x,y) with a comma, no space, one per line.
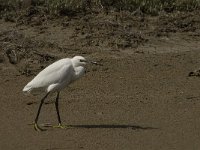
(62,7)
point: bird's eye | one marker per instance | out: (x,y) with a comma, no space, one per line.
(81,60)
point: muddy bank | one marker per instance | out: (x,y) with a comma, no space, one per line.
(141,98)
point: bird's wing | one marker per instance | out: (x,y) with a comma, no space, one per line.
(57,72)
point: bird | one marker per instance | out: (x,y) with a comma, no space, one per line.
(55,78)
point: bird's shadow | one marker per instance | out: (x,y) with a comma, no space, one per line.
(106,126)
(112,126)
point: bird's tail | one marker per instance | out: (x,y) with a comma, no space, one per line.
(30,89)
(27,89)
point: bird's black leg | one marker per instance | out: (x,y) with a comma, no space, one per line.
(58,114)
(57,109)
(38,113)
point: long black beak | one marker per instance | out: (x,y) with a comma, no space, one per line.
(95,63)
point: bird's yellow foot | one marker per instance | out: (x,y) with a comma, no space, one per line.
(62,126)
(37,128)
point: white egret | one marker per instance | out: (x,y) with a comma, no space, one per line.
(54,78)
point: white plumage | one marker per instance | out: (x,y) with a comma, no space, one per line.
(58,75)
(54,78)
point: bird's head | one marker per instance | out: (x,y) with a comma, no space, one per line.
(81,61)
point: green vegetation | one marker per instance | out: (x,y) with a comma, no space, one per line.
(60,7)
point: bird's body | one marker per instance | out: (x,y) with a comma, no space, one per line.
(54,78)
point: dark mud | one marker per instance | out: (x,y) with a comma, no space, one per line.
(141,98)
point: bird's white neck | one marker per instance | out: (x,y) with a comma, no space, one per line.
(79,72)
